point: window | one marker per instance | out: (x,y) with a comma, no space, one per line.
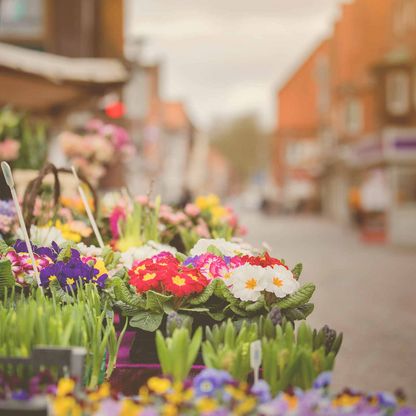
(21,18)
(398,93)
(353,116)
(404,18)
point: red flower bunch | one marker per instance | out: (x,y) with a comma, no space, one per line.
(264,261)
(165,274)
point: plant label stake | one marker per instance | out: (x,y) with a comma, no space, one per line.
(255,358)
(8,176)
(88,209)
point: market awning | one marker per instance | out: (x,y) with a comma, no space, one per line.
(42,82)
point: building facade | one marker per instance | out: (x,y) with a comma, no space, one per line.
(359,102)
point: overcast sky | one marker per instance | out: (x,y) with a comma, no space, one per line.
(227,57)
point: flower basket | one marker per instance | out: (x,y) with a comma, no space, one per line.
(34,187)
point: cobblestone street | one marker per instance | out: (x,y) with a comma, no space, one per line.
(366,291)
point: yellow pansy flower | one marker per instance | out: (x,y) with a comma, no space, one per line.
(159,385)
(65,386)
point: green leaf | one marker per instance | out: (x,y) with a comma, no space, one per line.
(222,292)
(180,256)
(217,316)
(194,309)
(7,280)
(306,309)
(293,314)
(148,321)
(155,300)
(255,306)
(297,270)
(65,253)
(4,248)
(298,298)
(123,294)
(214,250)
(337,344)
(205,294)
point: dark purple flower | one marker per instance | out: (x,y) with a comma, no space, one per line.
(52,252)
(71,273)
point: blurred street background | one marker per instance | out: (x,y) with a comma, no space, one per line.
(300,114)
(367,292)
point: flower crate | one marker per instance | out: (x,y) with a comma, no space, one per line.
(62,361)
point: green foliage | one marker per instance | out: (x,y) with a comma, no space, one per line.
(298,298)
(178,353)
(146,320)
(6,277)
(40,320)
(228,348)
(204,296)
(140,226)
(297,271)
(296,360)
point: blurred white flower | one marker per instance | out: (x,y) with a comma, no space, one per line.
(151,248)
(227,248)
(43,236)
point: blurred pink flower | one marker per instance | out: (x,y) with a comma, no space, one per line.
(9,149)
(118,214)
(192,210)
(202,229)
(142,199)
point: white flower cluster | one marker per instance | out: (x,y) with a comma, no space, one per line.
(246,282)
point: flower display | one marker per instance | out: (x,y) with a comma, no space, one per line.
(69,271)
(165,274)
(94,150)
(21,264)
(74,271)
(215,393)
(246,276)
(182,227)
(213,284)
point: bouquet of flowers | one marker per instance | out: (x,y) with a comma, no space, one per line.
(206,218)
(96,147)
(223,280)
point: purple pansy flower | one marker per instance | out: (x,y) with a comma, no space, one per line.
(208,381)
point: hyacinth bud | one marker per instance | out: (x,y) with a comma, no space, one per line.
(174,321)
(330,335)
(275,315)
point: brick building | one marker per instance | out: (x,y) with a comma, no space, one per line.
(354,102)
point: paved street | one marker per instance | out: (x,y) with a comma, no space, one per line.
(367,292)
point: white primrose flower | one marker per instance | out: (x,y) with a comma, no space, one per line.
(227,248)
(247,282)
(280,281)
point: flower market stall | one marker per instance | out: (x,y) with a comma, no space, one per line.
(169,310)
